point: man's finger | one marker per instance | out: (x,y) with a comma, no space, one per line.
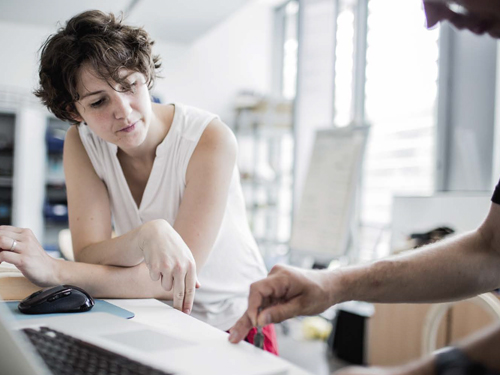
(266,292)
(280,312)
(240,330)
(258,292)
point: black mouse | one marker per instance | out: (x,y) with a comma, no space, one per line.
(57,299)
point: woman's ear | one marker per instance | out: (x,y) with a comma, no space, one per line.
(78,119)
(75,116)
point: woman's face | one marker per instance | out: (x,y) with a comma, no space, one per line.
(117,116)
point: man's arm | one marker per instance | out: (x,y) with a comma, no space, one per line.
(448,270)
(445,271)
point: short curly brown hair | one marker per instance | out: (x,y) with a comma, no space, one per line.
(100,40)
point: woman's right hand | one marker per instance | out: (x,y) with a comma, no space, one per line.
(169,260)
(20,247)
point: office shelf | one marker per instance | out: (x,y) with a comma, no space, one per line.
(6,181)
(7,136)
(264,131)
(55,208)
(22,163)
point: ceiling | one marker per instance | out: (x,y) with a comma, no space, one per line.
(177,21)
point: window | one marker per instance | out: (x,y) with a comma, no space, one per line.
(290,45)
(371,62)
(400,98)
(344,63)
(263,126)
(400,92)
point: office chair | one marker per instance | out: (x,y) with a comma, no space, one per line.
(488,301)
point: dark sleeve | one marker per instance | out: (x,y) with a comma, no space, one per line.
(496,194)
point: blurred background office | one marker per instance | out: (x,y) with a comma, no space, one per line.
(277,71)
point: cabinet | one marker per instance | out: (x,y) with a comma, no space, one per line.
(7,127)
(22,165)
(23,159)
(395,330)
(264,131)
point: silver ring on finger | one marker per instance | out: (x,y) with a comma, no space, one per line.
(14,243)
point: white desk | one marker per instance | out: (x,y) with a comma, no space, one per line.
(163,317)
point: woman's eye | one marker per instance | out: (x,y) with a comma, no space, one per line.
(97,103)
(132,86)
(129,87)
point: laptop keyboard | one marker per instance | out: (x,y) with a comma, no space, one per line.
(66,355)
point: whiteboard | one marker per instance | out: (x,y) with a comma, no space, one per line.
(323,218)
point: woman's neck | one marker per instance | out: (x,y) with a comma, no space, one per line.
(161,122)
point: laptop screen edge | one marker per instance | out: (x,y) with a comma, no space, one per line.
(17,356)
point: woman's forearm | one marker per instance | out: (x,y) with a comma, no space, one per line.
(123,250)
(110,281)
(449,270)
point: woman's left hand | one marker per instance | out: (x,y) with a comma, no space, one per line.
(20,247)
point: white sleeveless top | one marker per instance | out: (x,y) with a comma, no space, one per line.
(234,262)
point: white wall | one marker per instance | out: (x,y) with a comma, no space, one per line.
(19,44)
(233,56)
(496,138)
(470,108)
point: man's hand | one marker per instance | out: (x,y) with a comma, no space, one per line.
(285,293)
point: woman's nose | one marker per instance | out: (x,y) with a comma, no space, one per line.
(122,106)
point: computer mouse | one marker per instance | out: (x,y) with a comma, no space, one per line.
(57,299)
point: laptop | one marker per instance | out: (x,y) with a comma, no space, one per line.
(101,343)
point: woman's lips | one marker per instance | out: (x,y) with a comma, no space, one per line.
(128,129)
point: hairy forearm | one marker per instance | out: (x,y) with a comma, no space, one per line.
(449,270)
(110,281)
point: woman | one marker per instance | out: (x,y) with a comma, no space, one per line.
(164,177)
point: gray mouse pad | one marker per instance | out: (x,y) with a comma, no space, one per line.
(100,306)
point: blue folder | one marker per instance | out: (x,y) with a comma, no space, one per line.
(100,306)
